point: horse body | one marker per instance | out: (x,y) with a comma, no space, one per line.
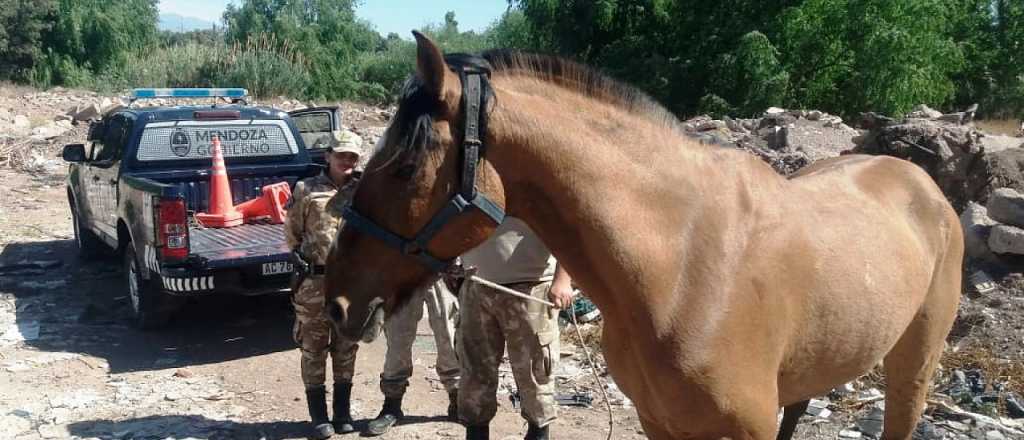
(727,290)
(720,280)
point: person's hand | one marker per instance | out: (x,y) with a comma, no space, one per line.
(455,274)
(561,294)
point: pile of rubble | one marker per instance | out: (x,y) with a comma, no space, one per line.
(967,164)
(786,139)
(995,229)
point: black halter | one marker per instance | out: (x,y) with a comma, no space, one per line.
(467,197)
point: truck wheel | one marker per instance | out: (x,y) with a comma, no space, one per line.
(151,308)
(89,245)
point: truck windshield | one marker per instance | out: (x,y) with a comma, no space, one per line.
(178,140)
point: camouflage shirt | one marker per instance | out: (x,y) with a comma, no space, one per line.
(314,215)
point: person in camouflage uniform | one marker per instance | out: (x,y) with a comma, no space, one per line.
(490,320)
(314,216)
(400,330)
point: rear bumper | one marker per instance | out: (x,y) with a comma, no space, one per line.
(247,280)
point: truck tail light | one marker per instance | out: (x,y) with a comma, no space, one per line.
(172,229)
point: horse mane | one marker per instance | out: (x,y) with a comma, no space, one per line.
(414,118)
(582,78)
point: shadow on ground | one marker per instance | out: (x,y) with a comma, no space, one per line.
(66,304)
(187,426)
(196,426)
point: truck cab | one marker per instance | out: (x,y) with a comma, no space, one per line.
(137,182)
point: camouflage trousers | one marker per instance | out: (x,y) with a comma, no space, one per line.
(316,337)
(489,320)
(400,330)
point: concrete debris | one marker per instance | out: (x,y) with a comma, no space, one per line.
(924,112)
(847,433)
(977,226)
(994,435)
(12,426)
(819,408)
(870,425)
(786,139)
(1006,239)
(615,395)
(1006,205)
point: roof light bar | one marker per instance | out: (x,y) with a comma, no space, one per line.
(189,93)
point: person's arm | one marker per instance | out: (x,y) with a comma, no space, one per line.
(560,292)
(295,219)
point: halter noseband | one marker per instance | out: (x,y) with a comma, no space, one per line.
(466,198)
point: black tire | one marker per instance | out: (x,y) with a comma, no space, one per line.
(89,245)
(151,307)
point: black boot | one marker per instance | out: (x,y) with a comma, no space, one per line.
(316,399)
(388,417)
(453,406)
(535,432)
(480,432)
(342,408)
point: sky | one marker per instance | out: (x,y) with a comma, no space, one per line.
(399,16)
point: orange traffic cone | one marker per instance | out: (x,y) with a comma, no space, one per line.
(268,206)
(222,212)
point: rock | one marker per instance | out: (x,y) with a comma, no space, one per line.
(953,155)
(924,112)
(994,435)
(21,121)
(1005,239)
(956,118)
(713,124)
(88,113)
(819,409)
(847,433)
(871,424)
(60,118)
(1006,205)
(814,115)
(11,426)
(52,431)
(977,227)
(734,126)
(832,121)
(49,131)
(774,111)
(776,120)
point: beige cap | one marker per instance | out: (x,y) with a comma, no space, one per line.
(344,141)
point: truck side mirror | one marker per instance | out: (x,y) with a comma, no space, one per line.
(74,153)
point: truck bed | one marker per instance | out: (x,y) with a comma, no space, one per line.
(237,246)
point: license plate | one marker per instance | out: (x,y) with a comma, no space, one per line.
(277,268)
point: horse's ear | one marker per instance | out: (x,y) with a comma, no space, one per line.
(430,65)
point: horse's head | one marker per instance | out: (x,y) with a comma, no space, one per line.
(409,216)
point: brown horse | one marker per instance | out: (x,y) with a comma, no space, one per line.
(727,290)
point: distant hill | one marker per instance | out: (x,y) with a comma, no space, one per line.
(178,23)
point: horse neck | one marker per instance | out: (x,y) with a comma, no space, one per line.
(608,190)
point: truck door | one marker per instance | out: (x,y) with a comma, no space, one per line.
(102,174)
(315,126)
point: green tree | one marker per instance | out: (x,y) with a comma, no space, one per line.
(88,36)
(22,24)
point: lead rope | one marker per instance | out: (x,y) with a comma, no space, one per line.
(579,336)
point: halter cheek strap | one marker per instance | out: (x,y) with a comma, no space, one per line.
(465,199)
